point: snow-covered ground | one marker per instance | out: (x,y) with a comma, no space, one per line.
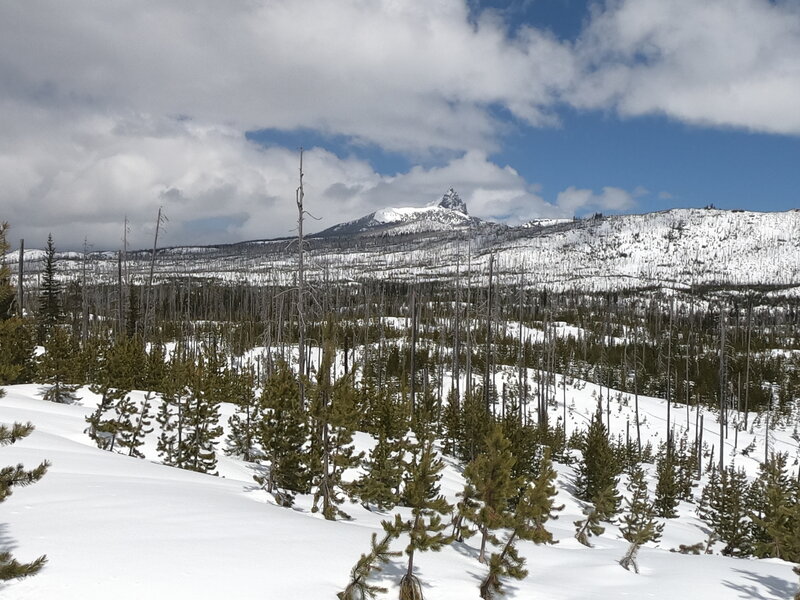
(114,526)
(680,249)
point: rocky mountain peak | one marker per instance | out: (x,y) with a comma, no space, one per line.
(453,201)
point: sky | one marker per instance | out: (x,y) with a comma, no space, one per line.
(528,108)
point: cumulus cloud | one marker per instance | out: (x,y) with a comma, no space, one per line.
(408,76)
(81,179)
(114,108)
(724,63)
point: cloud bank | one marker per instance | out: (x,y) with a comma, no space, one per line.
(112,109)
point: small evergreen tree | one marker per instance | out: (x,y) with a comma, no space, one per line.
(11,477)
(49,294)
(489,481)
(667,486)
(170,415)
(282,436)
(594,515)
(723,505)
(425,528)
(334,418)
(244,423)
(201,414)
(59,366)
(6,291)
(598,470)
(474,426)
(17,343)
(774,512)
(383,475)
(467,506)
(133,436)
(638,524)
(533,510)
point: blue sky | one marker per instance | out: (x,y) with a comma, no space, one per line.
(529,108)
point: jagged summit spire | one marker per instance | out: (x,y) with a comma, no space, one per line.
(453,201)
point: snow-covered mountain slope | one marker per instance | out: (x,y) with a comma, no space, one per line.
(681,248)
(446,214)
(117,526)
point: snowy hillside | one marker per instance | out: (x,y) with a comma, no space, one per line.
(115,526)
(681,248)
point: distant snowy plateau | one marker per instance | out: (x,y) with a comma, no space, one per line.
(679,248)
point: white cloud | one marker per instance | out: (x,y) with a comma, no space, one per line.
(113,108)
(80,179)
(408,76)
(724,63)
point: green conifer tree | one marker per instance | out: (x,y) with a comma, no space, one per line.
(17,343)
(723,505)
(475,425)
(11,477)
(379,487)
(59,366)
(334,418)
(594,515)
(452,423)
(133,436)
(6,291)
(639,525)
(50,312)
(773,501)
(282,437)
(534,509)
(170,416)
(244,423)
(599,469)
(489,480)
(121,426)
(667,486)
(201,428)
(425,528)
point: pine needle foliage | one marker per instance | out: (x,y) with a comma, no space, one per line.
(774,501)
(368,565)
(50,312)
(667,486)
(6,291)
(723,505)
(244,423)
(639,525)
(59,366)
(11,477)
(379,487)
(282,435)
(425,528)
(534,509)
(599,469)
(489,481)
(590,526)
(334,419)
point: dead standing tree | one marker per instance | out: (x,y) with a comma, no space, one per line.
(301,286)
(149,308)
